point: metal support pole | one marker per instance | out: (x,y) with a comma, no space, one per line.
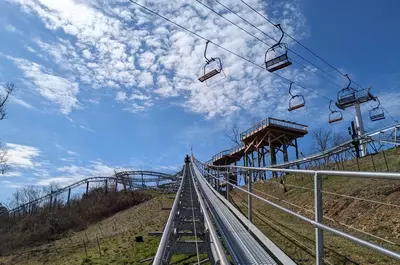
(360,129)
(69,196)
(217,187)
(297,152)
(87,187)
(319,235)
(249,199)
(227,187)
(106,186)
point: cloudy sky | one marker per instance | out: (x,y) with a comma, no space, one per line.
(104,85)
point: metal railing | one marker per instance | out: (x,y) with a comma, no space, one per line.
(220,155)
(236,148)
(272,121)
(168,230)
(318,203)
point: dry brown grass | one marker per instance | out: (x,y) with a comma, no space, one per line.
(296,238)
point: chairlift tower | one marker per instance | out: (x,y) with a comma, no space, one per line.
(350,97)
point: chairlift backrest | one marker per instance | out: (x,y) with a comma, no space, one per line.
(300,104)
(335,115)
(280,61)
(346,96)
(207,75)
(377,113)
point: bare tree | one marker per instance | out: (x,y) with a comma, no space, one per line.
(24,195)
(233,134)
(4,98)
(323,140)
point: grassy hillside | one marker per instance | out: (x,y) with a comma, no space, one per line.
(378,222)
(116,239)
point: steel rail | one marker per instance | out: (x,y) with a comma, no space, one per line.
(168,228)
(220,253)
(316,224)
(240,238)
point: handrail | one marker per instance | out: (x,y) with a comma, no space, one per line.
(338,148)
(168,227)
(318,199)
(222,259)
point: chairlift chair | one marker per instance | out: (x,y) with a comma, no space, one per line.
(335,115)
(346,96)
(377,113)
(213,72)
(282,60)
(292,100)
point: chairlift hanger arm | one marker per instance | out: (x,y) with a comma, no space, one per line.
(205,53)
(283,33)
(347,76)
(290,89)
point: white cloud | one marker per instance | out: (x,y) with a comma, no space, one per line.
(22,156)
(72,153)
(112,49)
(73,173)
(12,174)
(11,28)
(53,88)
(22,103)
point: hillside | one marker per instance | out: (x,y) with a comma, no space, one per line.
(116,236)
(370,209)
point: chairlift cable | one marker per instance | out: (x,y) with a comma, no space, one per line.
(231,52)
(309,50)
(233,23)
(298,42)
(269,36)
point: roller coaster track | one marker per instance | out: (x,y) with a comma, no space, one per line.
(221,234)
(125,178)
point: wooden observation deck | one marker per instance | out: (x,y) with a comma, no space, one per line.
(268,136)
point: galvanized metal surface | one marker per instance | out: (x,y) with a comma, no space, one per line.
(318,224)
(189,217)
(242,245)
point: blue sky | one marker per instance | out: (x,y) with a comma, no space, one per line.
(103,86)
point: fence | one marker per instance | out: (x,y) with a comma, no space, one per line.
(214,172)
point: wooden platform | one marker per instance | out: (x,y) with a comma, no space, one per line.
(270,132)
(276,128)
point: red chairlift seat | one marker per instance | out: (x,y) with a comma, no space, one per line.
(213,72)
(282,60)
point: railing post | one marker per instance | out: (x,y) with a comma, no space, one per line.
(250,198)
(319,236)
(227,185)
(217,186)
